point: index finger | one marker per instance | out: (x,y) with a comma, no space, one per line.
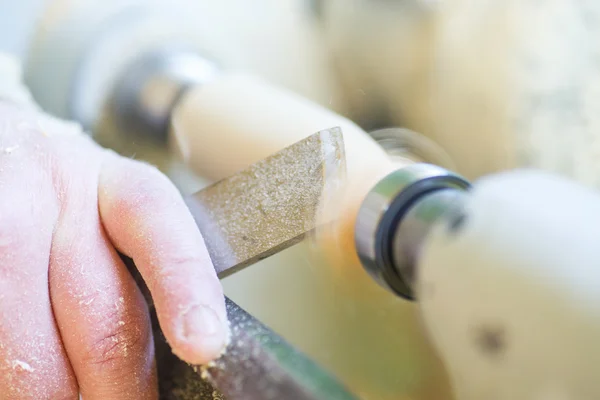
(147,219)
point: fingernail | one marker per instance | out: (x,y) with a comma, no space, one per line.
(201,335)
(201,321)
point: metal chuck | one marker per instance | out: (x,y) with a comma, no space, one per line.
(395,217)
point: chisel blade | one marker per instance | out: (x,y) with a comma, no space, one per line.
(270,205)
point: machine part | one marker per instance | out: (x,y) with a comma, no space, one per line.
(509,289)
(412,229)
(146,94)
(271,205)
(81,48)
(394,217)
(259,365)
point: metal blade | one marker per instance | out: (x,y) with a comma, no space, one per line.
(271,205)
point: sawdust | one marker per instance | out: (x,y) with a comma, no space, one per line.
(333,243)
(186,386)
(22,365)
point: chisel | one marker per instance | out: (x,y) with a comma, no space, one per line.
(252,215)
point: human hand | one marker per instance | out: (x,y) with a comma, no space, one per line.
(72,319)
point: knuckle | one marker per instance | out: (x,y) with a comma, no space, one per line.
(148,170)
(119,348)
(176,268)
(153,183)
(141,186)
(185,261)
(145,174)
(187,266)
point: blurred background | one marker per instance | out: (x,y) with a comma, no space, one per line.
(486,91)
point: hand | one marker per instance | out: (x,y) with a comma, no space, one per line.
(72,319)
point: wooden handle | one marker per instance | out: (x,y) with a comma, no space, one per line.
(236,120)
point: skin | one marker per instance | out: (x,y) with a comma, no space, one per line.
(72,319)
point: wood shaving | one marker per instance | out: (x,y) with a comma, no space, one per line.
(18,364)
